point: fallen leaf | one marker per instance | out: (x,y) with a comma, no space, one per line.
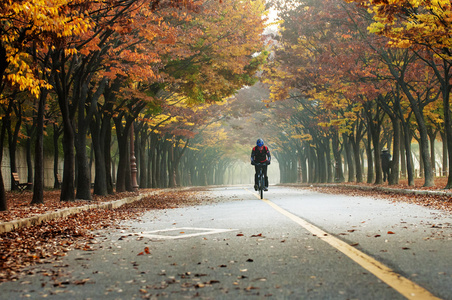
(390,232)
(81,282)
(257,235)
(213,281)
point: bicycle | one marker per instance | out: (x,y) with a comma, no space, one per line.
(261,179)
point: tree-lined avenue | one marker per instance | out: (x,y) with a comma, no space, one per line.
(237,246)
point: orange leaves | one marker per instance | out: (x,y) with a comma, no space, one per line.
(422,23)
(224,38)
(146,251)
(50,240)
(46,23)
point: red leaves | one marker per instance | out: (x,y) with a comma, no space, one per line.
(146,251)
(42,243)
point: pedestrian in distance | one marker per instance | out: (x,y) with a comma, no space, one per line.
(385,163)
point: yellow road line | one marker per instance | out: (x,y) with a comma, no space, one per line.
(401,284)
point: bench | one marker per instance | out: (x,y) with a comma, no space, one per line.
(18,184)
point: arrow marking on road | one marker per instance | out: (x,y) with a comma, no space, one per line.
(180,233)
(404,286)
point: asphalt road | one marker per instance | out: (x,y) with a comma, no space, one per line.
(294,244)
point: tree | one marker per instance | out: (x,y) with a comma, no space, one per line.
(28,28)
(421,25)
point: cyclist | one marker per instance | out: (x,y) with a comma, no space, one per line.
(260,154)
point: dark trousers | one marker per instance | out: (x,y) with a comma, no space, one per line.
(385,173)
(264,169)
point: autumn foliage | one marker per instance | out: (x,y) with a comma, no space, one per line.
(362,76)
(92,70)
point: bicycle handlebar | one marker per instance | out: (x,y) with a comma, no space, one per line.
(261,164)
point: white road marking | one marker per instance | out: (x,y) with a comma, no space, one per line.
(180,233)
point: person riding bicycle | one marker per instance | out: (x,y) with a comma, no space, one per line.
(260,154)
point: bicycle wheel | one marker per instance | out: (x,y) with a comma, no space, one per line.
(261,186)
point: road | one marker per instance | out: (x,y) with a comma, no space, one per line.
(294,244)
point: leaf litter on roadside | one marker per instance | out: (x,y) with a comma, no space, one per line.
(441,202)
(48,241)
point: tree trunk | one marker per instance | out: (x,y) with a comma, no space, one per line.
(329,163)
(13,136)
(38,186)
(339,175)
(355,140)
(419,115)
(3,203)
(68,189)
(445,153)
(394,170)
(448,126)
(61,84)
(122,163)
(303,166)
(143,159)
(370,162)
(321,163)
(56,153)
(98,144)
(28,157)
(87,106)
(83,173)
(350,161)
(311,165)
(432,137)
(409,161)
(403,170)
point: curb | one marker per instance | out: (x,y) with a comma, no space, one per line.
(62,213)
(376,188)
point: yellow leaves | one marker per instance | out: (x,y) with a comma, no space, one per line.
(401,43)
(70,51)
(42,24)
(376,27)
(416,22)
(303,137)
